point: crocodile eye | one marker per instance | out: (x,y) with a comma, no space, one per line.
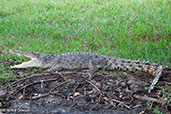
(34,53)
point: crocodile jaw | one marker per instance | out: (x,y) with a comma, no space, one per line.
(31,63)
(34,62)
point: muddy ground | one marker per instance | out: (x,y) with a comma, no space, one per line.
(77,92)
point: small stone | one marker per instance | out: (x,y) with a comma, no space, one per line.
(123,84)
(130,81)
(98,84)
(120,96)
(109,83)
(142,112)
(76,94)
(118,89)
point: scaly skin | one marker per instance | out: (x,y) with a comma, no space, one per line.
(85,60)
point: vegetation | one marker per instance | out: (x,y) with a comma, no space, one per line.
(134,29)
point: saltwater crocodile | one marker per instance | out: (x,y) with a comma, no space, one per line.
(86,60)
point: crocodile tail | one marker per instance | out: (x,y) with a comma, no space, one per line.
(141,66)
(150,68)
(134,65)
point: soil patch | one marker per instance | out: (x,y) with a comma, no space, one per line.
(78,92)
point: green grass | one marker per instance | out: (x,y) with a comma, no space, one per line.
(134,29)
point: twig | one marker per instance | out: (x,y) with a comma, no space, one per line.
(39,96)
(75,88)
(46,94)
(96,88)
(57,93)
(58,85)
(34,83)
(146,98)
(28,77)
(121,103)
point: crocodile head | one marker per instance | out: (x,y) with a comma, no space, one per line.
(34,56)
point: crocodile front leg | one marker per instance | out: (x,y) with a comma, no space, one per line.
(91,70)
(55,68)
